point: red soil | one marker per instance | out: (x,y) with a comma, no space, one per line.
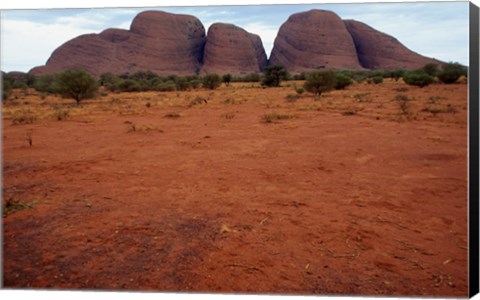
(323,203)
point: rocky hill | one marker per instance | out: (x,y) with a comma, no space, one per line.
(230,49)
(168,44)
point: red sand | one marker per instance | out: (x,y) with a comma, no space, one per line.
(324,203)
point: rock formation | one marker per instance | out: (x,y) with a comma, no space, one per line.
(314,39)
(161,42)
(230,49)
(377,50)
(169,44)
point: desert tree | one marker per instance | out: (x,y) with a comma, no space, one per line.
(77,84)
(318,82)
(274,75)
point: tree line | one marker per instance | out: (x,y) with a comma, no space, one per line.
(79,84)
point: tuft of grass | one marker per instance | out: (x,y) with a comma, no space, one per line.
(272,117)
(229,115)
(434,99)
(61,114)
(14,206)
(292,97)
(310,108)
(23,116)
(401,97)
(360,97)
(436,110)
(401,89)
(172,115)
(231,101)
(350,112)
(198,100)
(143,128)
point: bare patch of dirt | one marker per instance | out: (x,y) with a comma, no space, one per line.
(368,203)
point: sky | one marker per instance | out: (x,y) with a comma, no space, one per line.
(433,29)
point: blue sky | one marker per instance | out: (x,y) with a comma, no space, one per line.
(433,29)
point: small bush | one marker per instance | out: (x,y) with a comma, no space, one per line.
(6,89)
(227,78)
(300,90)
(377,79)
(431,69)
(451,72)
(181,84)
(212,81)
(419,79)
(167,86)
(342,81)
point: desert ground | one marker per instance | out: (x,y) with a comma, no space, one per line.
(363,192)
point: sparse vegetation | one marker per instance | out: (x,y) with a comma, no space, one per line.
(377,79)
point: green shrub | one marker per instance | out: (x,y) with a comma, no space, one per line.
(110,81)
(6,89)
(397,74)
(451,72)
(227,78)
(342,81)
(129,85)
(212,81)
(77,84)
(318,82)
(300,90)
(274,75)
(182,84)
(47,84)
(165,86)
(377,79)
(419,79)
(430,68)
